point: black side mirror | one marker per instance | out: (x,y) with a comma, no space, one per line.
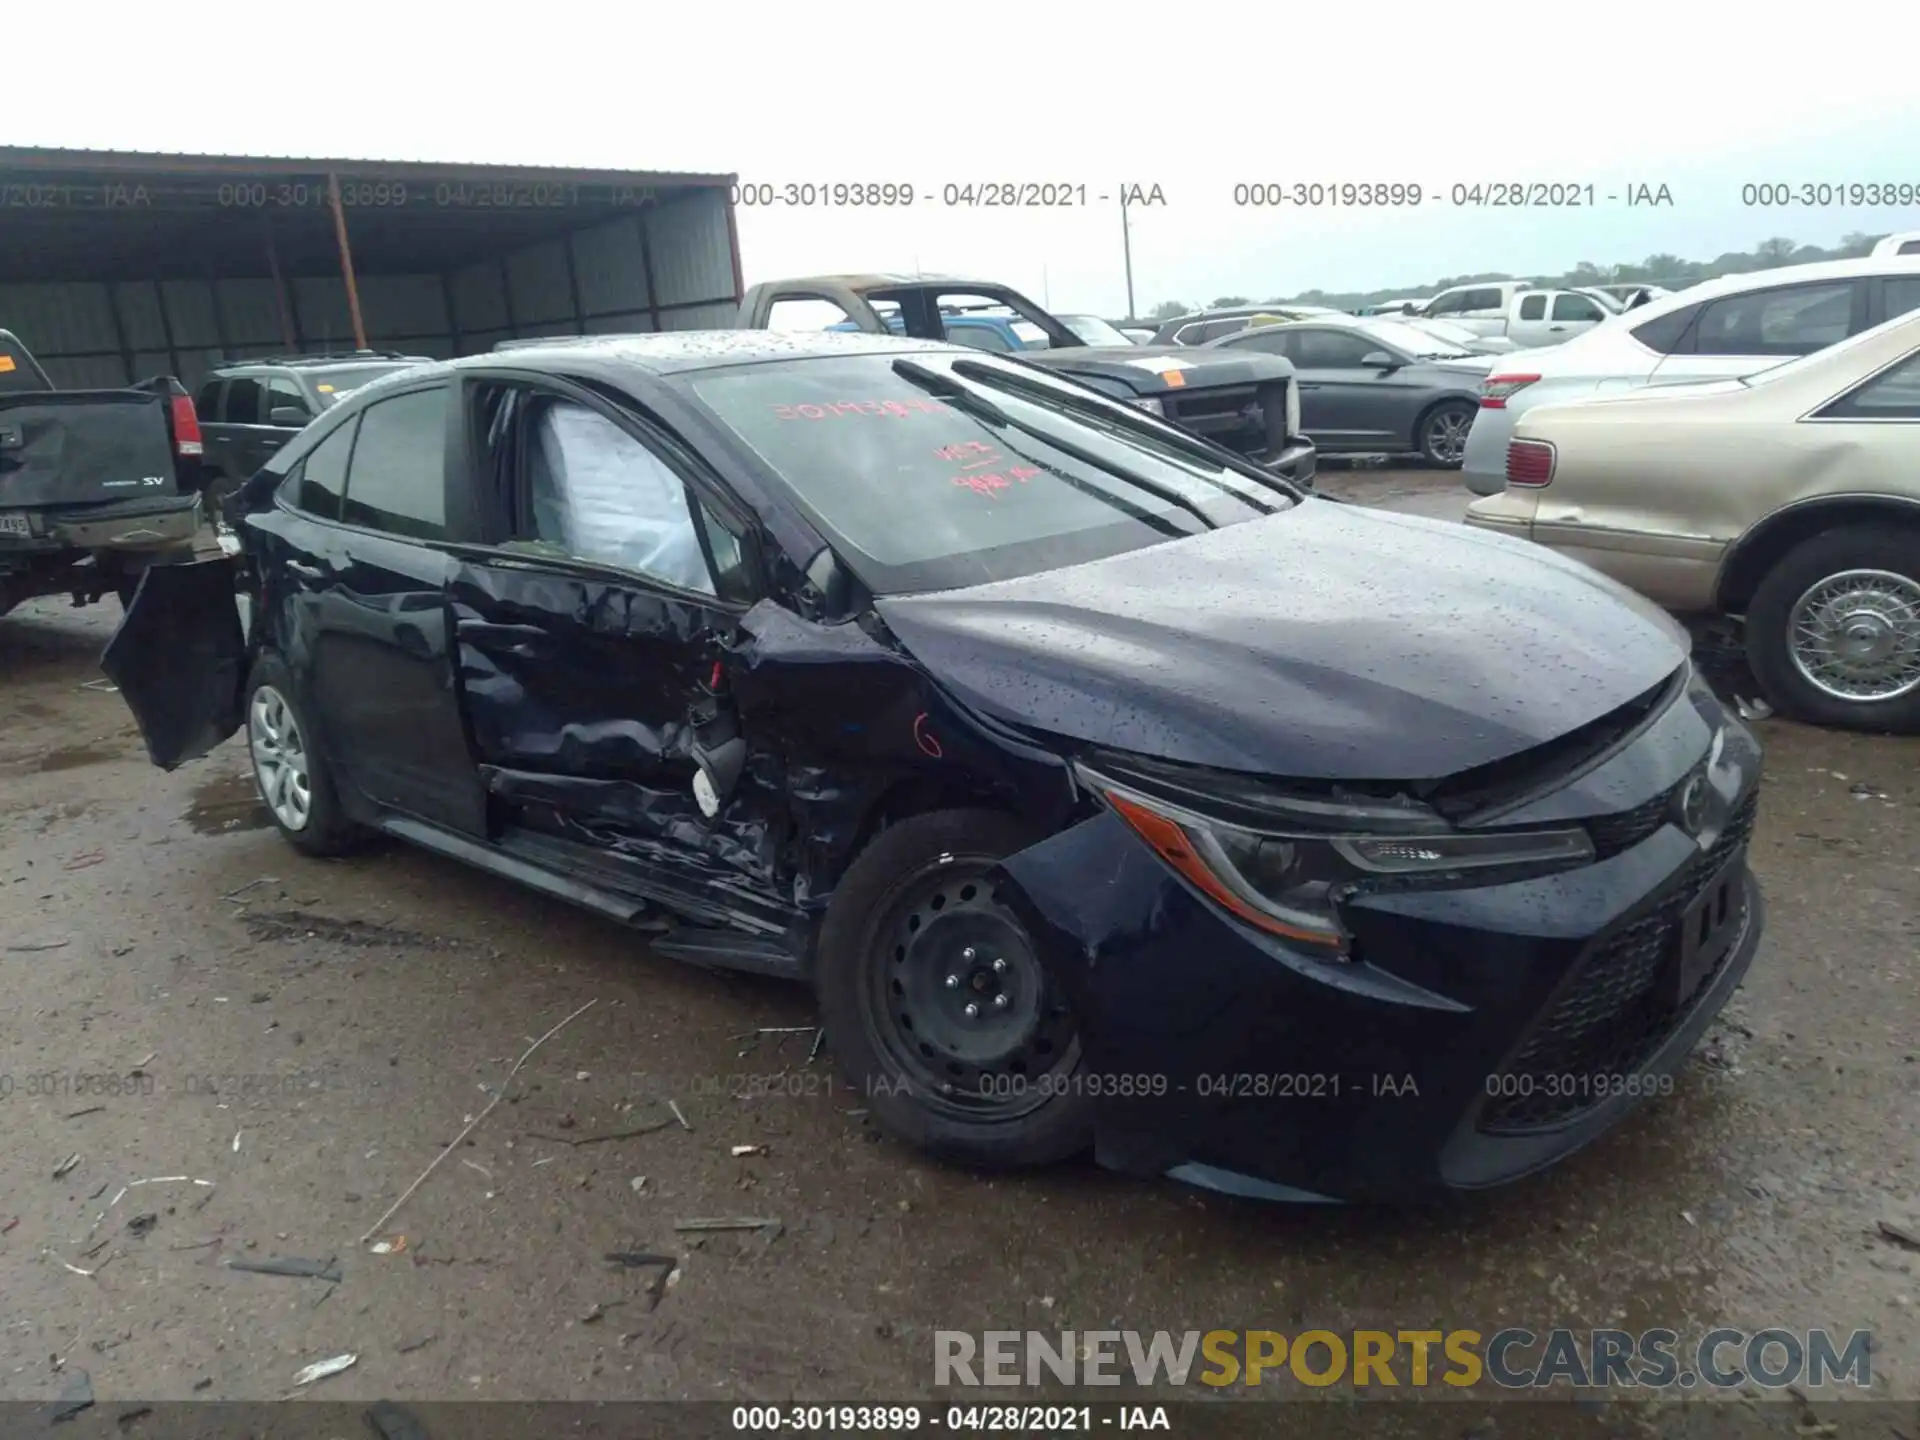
(288,415)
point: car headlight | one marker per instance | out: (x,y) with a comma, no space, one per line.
(1150,404)
(1293,407)
(1290,877)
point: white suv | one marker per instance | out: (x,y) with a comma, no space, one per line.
(1720,329)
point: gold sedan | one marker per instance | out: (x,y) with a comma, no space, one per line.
(1789,500)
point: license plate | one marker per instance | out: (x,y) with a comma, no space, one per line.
(14,522)
(1708,928)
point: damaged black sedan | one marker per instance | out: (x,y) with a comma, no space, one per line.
(1112,792)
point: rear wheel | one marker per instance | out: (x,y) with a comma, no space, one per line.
(1443,434)
(294,781)
(1833,633)
(940,1005)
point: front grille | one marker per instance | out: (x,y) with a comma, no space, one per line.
(1613,834)
(1243,418)
(1612,1016)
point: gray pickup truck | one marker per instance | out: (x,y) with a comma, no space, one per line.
(95,485)
(1244,401)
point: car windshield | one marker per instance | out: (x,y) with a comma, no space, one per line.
(1414,340)
(1446,330)
(1094,330)
(333,383)
(936,470)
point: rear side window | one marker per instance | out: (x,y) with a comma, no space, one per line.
(207,403)
(1663,333)
(979,337)
(1791,320)
(398,480)
(243,401)
(1908,247)
(1576,307)
(1533,307)
(284,394)
(323,474)
(1266,340)
(1891,395)
(1899,295)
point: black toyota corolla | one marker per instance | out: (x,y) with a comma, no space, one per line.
(1112,793)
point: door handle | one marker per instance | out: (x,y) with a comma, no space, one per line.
(1556,329)
(306,572)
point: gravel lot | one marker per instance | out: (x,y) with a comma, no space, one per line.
(308,1035)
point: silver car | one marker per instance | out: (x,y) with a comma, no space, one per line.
(1375,386)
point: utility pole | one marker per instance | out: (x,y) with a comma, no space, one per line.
(1126,251)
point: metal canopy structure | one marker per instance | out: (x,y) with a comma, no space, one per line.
(494,240)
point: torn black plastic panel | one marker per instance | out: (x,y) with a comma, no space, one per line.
(180,659)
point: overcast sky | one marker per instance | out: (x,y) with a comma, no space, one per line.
(1625,94)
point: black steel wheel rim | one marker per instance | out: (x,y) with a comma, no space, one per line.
(956,1002)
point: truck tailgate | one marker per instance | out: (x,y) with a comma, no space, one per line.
(81,447)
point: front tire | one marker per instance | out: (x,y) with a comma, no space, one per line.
(940,1006)
(1443,434)
(292,776)
(1833,633)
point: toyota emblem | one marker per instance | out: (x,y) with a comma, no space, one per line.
(1693,804)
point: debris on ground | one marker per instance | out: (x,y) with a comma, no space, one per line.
(75,1396)
(638,1184)
(85,859)
(66,1165)
(602,1137)
(90,1110)
(321,1369)
(472,1124)
(740,1150)
(294,1266)
(395,1246)
(412,1345)
(1755,709)
(36,947)
(127,1417)
(639,1259)
(665,1270)
(678,1116)
(9,1225)
(141,1225)
(727,1223)
(1901,1233)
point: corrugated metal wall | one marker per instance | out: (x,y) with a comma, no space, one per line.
(668,267)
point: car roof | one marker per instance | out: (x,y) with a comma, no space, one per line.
(673,351)
(1766,279)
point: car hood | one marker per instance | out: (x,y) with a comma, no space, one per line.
(1144,369)
(1326,642)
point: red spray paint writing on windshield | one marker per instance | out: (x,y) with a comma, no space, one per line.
(892,409)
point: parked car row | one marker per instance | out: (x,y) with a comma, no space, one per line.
(1748,448)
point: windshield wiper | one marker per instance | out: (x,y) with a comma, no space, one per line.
(948,388)
(1020,385)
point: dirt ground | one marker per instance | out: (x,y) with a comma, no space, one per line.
(185,996)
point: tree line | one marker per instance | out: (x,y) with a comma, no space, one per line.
(1666,270)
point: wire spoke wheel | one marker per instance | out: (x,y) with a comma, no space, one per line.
(279,758)
(957,1003)
(1855,635)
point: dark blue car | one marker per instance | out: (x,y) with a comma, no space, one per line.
(1112,792)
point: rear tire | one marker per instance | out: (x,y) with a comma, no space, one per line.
(1833,633)
(292,776)
(1442,435)
(914,936)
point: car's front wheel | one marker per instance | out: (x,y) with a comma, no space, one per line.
(941,1007)
(1833,633)
(293,778)
(1443,434)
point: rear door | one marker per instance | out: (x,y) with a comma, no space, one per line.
(591,625)
(1483,310)
(1569,313)
(1744,333)
(372,641)
(1527,319)
(1344,405)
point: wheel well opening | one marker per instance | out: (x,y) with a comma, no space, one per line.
(1767,545)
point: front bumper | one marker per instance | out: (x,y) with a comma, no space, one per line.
(1478,1036)
(166,523)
